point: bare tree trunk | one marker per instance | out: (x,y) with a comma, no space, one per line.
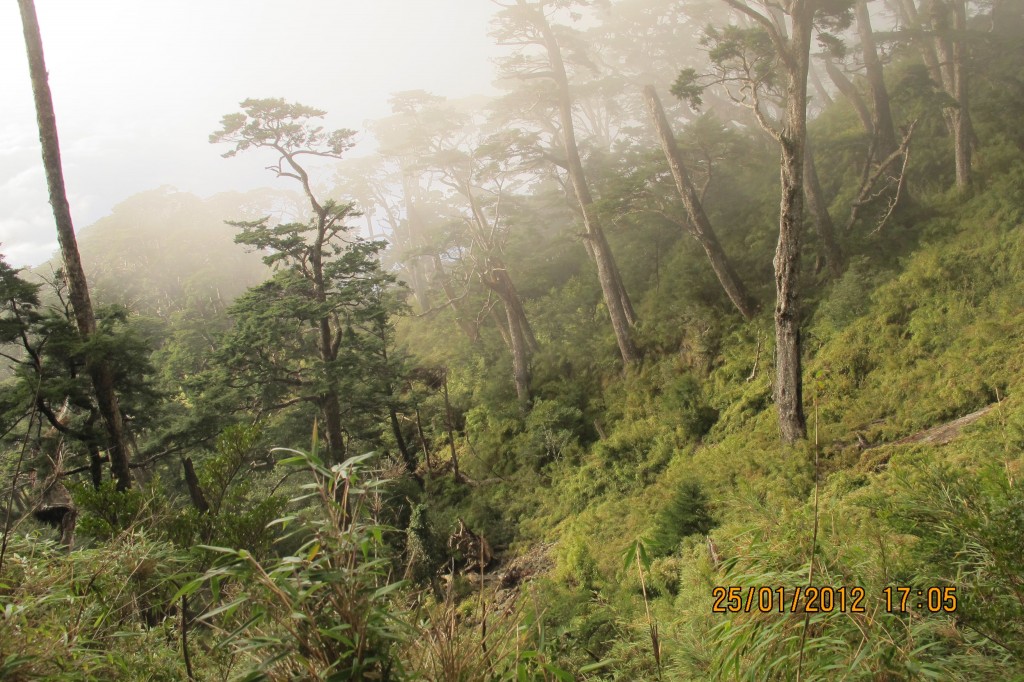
(516,331)
(701,226)
(885,131)
(331,406)
(963,134)
(941,56)
(788,370)
(423,440)
(850,93)
(520,356)
(501,326)
(78,290)
(910,15)
(627,303)
(195,491)
(615,296)
(829,247)
(515,301)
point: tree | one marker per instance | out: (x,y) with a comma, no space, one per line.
(99,368)
(326,280)
(939,29)
(47,359)
(881,122)
(949,24)
(700,226)
(526,24)
(774,57)
(480,178)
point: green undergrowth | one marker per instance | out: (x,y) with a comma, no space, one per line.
(693,466)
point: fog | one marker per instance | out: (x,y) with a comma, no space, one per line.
(138,87)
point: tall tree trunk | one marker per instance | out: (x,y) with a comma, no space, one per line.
(940,56)
(195,490)
(615,296)
(515,302)
(331,406)
(849,91)
(518,334)
(963,135)
(328,400)
(521,339)
(788,369)
(627,302)
(912,17)
(520,356)
(496,276)
(885,131)
(78,290)
(701,226)
(827,244)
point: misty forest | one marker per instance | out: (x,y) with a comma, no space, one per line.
(695,351)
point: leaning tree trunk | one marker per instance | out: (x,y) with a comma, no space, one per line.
(99,370)
(829,247)
(615,296)
(518,334)
(519,337)
(700,225)
(520,356)
(849,91)
(788,370)
(819,87)
(885,131)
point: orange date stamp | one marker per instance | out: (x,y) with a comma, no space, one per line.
(824,599)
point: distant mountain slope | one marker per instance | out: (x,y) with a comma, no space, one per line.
(159,247)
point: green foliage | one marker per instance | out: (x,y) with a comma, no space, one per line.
(424,550)
(969,529)
(106,512)
(551,431)
(686,514)
(922,327)
(241,501)
(575,563)
(92,614)
(328,610)
(326,278)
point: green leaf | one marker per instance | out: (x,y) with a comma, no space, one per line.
(388,589)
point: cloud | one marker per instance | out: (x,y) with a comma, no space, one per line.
(139,86)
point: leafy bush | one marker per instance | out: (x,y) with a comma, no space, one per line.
(325,612)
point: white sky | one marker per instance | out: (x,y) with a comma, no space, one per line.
(138,86)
